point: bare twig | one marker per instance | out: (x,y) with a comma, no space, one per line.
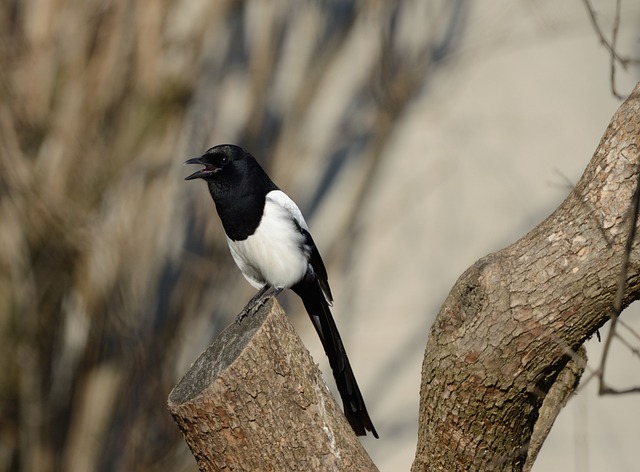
(611,46)
(605,390)
(614,41)
(623,61)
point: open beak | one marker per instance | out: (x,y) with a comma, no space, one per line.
(208,170)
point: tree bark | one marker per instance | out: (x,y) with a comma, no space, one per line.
(557,397)
(255,400)
(516,317)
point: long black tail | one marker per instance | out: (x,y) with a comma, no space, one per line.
(318,309)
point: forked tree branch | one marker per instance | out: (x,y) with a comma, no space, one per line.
(515,318)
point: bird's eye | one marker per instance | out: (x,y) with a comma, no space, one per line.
(224,159)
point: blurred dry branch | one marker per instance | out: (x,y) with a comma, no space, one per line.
(108,286)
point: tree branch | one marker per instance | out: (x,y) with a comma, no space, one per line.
(616,309)
(515,318)
(255,400)
(558,396)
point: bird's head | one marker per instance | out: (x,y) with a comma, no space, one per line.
(216,161)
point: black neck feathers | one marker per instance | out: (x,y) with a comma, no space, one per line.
(240,195)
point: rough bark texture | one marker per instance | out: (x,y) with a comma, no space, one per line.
(255,400)
(516,317)
(554,401)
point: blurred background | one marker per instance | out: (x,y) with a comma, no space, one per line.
(417,136)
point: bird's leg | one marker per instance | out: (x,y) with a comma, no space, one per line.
(249,306)
(257,301)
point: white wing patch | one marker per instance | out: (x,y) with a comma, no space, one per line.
(282,199)
(275,253)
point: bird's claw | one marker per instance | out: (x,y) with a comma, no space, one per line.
(243,314)
(250,310)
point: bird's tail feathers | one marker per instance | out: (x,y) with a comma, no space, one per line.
(318,309)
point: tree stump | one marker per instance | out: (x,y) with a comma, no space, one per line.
(256,401)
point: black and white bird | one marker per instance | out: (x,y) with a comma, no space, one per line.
(271,244)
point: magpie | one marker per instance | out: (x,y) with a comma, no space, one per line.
(271,245)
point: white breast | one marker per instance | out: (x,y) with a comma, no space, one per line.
(276,252)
